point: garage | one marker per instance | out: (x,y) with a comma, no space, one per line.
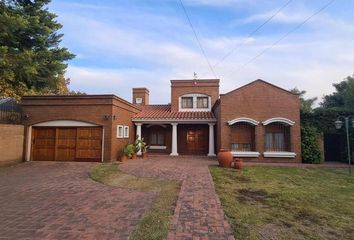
(67,144)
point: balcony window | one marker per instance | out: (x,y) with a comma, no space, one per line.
(202,102)
(187,102)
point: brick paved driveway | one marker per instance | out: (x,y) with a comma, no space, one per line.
(198,214)
(52,200)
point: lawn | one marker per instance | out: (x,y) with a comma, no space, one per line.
(155,223)
(287,203)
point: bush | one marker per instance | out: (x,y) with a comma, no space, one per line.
(310,148)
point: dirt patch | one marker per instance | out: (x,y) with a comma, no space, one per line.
(249,196)
(306,215)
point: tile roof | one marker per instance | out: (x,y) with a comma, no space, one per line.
(163,112)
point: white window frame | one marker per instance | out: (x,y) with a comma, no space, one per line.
(126,132)
(195,108)
(138,100)
(122,133)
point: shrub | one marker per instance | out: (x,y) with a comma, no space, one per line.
(310,148)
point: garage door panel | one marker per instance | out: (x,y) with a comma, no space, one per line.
(67,144)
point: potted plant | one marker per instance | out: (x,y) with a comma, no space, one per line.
(127,152)
(136,148)
(144,147)
(238,163)
(225,158)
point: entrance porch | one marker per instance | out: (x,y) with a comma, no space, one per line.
(178,138)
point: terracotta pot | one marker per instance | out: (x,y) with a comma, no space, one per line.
(144,155)
(123,158)
(225,158)
(238,163)
(133,156)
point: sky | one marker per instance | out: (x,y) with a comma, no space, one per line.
(145,43)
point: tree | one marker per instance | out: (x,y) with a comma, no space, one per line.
(306,104)
(343,98)
(31,60)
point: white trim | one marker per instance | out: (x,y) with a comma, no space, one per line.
(161,125)
(29,144)
(118,135)
(157,147)
(65,123)
(194,108)
(279,119)
(279,154)
(243,119)
(126,132)
(245,154)
(171,120)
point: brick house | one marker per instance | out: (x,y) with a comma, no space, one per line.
(259,122)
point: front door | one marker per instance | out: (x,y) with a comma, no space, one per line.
(193,139)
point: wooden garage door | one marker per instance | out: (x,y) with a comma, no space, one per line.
(67,144)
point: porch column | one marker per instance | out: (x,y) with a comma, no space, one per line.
(138,133)
(174,139)
(211,140)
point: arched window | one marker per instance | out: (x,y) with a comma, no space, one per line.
(277,137)
(242,137)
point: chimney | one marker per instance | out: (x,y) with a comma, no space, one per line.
(140,96)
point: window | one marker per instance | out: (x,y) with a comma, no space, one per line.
(120,130)
(138,100)
(277,138)
(202,102)
(157,138)
(126,132)
(242,137)
(187,102)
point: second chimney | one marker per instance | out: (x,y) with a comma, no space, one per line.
(140,96)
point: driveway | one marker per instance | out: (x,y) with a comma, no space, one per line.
(55,200)
(198,214)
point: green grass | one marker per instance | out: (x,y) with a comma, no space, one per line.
(287,203)
(155,223)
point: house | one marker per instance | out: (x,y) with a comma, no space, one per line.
(258,121)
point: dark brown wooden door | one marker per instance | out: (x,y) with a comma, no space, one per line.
(43,144)
(193,139)
(67,144)
(89,144)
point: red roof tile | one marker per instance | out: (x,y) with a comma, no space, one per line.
(163,112)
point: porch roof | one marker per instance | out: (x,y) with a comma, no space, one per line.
(164,113)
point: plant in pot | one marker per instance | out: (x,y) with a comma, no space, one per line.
(136,148)
(144,147)
(127,152)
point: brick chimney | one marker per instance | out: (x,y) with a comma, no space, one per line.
(140,96)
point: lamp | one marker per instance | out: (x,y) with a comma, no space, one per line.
(338,124)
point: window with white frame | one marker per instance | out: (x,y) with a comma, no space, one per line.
(120,131)
(126,132)
(194,102)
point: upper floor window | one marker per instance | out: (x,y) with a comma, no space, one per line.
(187,102)
(195,102)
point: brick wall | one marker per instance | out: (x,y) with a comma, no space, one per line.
(11,144)
(181,87)
(260,101)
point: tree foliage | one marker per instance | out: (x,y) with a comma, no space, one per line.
(306,104)
(343,98)
(31,60)
(310,147)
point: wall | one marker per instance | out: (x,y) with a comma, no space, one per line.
(181,87)
(260,101)
(11,144)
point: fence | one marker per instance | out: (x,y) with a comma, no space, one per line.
(10,111)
